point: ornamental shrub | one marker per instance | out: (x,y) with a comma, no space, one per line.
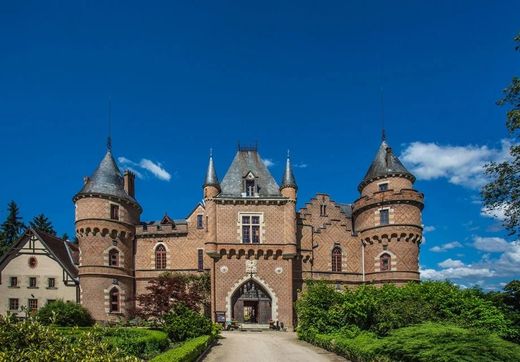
(183,323)
(186,352)
(65,314)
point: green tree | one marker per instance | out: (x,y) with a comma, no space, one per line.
(11,228)
(502,194)
(42,223)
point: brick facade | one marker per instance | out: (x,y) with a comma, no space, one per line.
(294,246)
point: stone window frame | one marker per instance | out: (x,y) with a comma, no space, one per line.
(121,301)
(199,221)
(335,266)
(168,256)
(117,215)
(200,259)
(393,261)
(379,184)
(377,216)
(261,224)
(106,257)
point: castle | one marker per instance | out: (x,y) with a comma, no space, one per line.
(247,234)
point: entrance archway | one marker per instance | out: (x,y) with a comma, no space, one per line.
(251,303)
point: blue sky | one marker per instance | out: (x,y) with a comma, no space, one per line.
(305,76)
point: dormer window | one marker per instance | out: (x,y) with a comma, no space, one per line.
(250,187)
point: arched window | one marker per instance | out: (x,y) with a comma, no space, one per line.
(113,257)
(114,300)
(385,262)
(336,259)
(160,257)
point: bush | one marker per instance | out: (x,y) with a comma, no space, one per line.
(139,342)
(30,341)
(187,352)
(183,323)
(65,314)
(441,342)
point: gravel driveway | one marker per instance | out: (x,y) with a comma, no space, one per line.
(267,346)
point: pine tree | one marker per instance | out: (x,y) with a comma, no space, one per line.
(42,223)
(11,228)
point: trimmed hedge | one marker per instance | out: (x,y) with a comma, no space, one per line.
(428,342)
(139,342)
(187,351)
(64,314)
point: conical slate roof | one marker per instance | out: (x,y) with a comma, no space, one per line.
(288,176)
(246,161)
(385,164)
(211,175)
(106,180)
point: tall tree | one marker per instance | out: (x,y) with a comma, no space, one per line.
(502,194)
(11,228)
(42,223)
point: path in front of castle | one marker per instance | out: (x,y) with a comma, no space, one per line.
(267,346)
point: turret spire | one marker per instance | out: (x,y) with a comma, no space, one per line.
(288,176)
(211,174)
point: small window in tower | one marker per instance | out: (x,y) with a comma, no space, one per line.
(384,218)
(200,259)
(383,186)
(114,300)
(114,212)
(113,257)
(200,224)
(250,188)
(385,262)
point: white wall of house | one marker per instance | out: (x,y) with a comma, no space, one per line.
(46,267)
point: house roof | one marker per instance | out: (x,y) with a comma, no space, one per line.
(107,180)
(385,164)
(346,208)
(63,251)
(248,161)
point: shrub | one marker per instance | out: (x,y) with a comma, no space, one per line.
(440,342)
(187,352)
(139,342)
(65,314)
(30,341)
(183,323)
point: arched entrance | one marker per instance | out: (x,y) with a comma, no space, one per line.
(251,303)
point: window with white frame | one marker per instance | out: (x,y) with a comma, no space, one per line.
(250,228)
(384,217)
(383,186)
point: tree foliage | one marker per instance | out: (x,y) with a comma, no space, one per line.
(12,228)
(65,314)
(169,289)
(42,223)
(182,323)
(502,194)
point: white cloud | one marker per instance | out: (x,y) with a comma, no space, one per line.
(428,229)
(460,165)
(457,273)
(491,244)
(446,246)
(300,165)
(155,168)
(450,263)
(268,162)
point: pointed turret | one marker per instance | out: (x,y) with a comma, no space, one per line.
(211,184)
(288,176)
(385,164)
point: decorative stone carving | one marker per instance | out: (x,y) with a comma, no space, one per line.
(279,270)
(251,266)
(224,269)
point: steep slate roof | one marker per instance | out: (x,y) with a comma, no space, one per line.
(288,179)
(346,208)
(385,164)
(107,180)
(63,250)
(211,174)
(246,161)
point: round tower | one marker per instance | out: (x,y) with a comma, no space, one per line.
(289,189)
(211,190)
(387,220)
(106,215)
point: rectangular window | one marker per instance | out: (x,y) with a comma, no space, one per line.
(200,224)
(51,282)
(384,218)
(13,304)
(49,301)
(200,259)
(251,229)
(32,282)
(13,282)
(250,187)
(114,212)
(383,187)
(32,304)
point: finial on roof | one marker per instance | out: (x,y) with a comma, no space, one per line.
(288,176)
(383,135)
(109,139)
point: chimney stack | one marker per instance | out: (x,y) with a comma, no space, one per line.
(129,180)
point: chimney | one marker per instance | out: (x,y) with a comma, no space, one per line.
(129,179)
(388,156)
